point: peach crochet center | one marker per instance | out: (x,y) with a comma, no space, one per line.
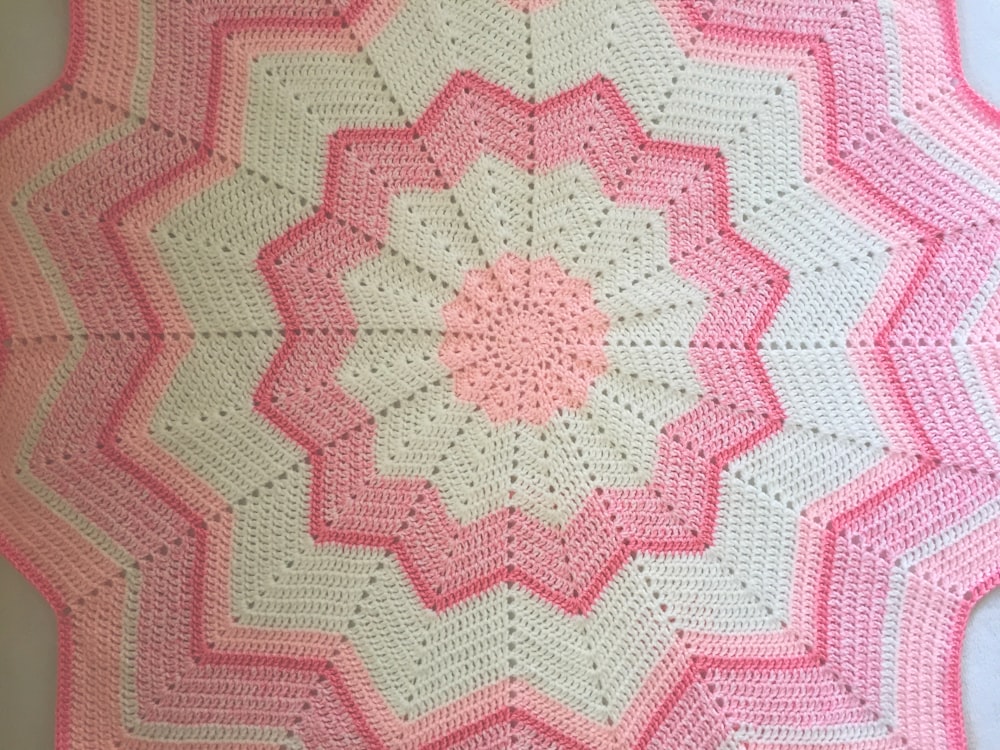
(523,339)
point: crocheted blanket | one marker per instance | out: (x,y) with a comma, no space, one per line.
(465,373)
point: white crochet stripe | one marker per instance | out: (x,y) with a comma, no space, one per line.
(210,421)
(295,100)
(142,76)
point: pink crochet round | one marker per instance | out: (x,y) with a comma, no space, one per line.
(523,339)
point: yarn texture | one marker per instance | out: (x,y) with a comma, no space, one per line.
(607,374)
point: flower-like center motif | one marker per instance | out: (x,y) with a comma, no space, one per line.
(523,339)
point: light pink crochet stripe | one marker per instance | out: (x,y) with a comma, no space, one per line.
(952,112)
(199,36)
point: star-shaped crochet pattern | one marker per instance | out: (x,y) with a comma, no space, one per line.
(483,374)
